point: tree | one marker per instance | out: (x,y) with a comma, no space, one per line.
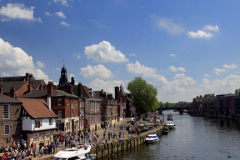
(167,105)
(161,104)
(236,92)
(144,95)
(177,105)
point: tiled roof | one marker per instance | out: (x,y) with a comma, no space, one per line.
(7,99)
(60,93)
(13,79)
(35,84)
(37,108)
(8,85)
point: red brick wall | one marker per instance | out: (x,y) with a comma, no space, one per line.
(15,124)
(23,89)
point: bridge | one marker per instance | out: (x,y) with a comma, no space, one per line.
(180,109)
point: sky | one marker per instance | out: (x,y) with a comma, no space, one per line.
(184,48)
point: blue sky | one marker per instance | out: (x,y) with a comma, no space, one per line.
(184,48)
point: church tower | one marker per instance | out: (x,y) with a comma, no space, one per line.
(63,81)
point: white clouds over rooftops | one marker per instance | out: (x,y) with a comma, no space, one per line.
(173,69)
(104,52)
(18,11)
(169,26)
(204,34)
(137,68)
(40,64)
(14,61)
(96,71)
(218,70)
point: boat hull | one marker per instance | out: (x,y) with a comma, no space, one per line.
(152,141)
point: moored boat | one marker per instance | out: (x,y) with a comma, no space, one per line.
(78,153)
(152,137)
(170,124)
(165,129)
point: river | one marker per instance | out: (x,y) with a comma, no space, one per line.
(198,138)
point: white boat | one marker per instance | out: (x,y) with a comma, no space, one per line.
(170,124)
(152,137)
(73,153)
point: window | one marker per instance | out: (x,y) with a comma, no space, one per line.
(36,138)
(50,121)
(75,102)
(38,123)
(42,137)
(48,135)
(59,114)
(67,114)
(6,111)
(72,114)
(7,129)
(76,113)
(59,102)
(67,101)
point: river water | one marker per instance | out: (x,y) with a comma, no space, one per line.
(194,138)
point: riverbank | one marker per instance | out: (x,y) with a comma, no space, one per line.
(221,116)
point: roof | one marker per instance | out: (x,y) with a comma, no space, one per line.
(37,108)
(13,79)
(8,85)
(35,84)
(43,94)
(7,99)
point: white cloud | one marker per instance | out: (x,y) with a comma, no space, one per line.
(172,55)
(211,28)
(107,86)
(230,66)
(14,61)
(137,68)
(104,52)
(218,70)
(200,34)
(173,69)
(169,26)
(64,2)
(18,11)
(78,56)
(96,71)
(205,80)
(40,64)
(60,14)
(65,24)
(58,69)
(132,55)
(206,75)
(47,13)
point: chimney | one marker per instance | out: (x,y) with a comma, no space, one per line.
(80,89)
(49,102)
(29,88)
(30,77)
(40,87)
(27,77)
(70,89)
(90,91)
(12,92)
(109,95)
(50,88)
(72,81)
(1,90)
(116,93)
(129,96)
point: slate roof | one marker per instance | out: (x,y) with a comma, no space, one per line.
(15,78)
(37,108)
(85,92)
(7,99)
(43,94)
(35,84)
(8,85)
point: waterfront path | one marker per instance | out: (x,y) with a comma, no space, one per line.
(116,129)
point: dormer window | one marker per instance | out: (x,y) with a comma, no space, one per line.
(59,102)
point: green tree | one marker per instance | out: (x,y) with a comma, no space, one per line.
(176,105)
(167,105)
(236,92)
(144,95)
(161,104)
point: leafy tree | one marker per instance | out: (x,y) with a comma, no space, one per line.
(176,105)
(144,95)
(207,95)
(161,104)
(236,92)
(167,105)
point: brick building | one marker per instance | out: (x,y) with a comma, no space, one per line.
(109,112)
(38,120)
(10,119)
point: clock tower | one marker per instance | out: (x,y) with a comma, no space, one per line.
(63,81)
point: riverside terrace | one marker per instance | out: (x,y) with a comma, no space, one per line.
(103,143)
